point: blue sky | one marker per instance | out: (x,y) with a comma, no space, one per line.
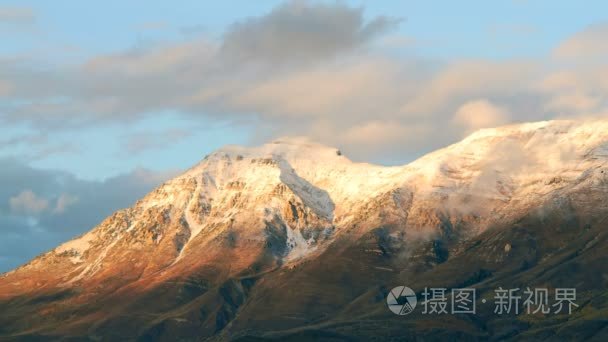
(99,95)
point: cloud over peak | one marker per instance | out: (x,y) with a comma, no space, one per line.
(587,44)
(302,31)
(478,114)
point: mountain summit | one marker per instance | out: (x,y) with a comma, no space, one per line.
(292,239)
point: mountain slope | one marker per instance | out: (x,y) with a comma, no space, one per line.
(292,239)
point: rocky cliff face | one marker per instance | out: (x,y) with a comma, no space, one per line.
(284,239)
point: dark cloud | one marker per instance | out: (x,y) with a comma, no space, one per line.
(72,206)
(23,239)
(300,31)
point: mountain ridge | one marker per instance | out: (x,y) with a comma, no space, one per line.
(208,237)
(454,169)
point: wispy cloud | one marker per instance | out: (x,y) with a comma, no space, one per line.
(16,15)
(28,202)
(139,142)
(589,44)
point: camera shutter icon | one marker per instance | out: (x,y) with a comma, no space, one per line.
(401,300)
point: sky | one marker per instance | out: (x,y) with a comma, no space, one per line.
(101,102)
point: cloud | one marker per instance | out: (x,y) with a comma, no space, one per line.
(21,241)
(463,80)
(28,203)
(16,15)
(196,77)
(357,86)
(586,45)
(478,114)
(144,141)
(5,88)
(41,208)
(304,68)
(374,132)
(576,91)
(573,102)
(300,31)
(379,139)
(29,139)
(63,202)
(38,146)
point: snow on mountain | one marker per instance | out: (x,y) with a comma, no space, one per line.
(523,160)
(295,196)
(323,166)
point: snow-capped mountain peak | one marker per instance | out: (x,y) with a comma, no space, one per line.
(294,197)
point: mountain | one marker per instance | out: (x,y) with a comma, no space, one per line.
(293,241)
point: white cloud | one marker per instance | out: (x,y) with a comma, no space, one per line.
(460,81)
(478,114)
(63,202)
(16,15)
(27,202)
(358,87)
(585,45)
